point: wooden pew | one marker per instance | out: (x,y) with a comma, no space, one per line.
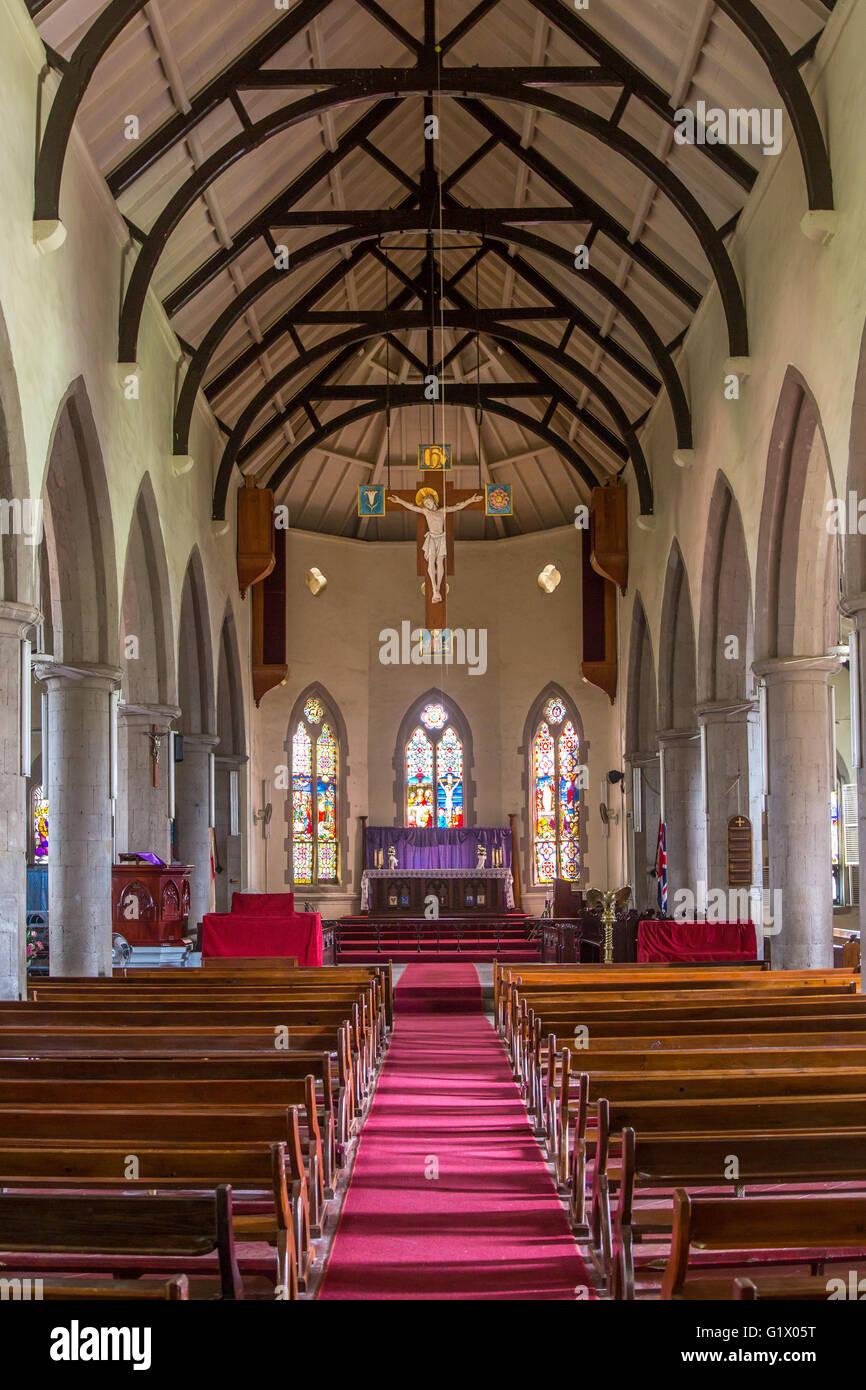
(826,1017)
(60,1166)
(137,1127)
(586,978)
(246,975)
(211,1093)
(705,1076)
(170,1042)
(819,1224)
(114,1290)
(699,1160)
(175,1228)
(651,1026)
(298,1067)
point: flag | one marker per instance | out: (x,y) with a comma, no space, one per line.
(662,869)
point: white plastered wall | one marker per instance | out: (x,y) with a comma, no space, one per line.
(533,639)
(61,312)
(806,308)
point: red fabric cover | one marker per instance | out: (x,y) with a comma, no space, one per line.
(230,934)
(696,941)
(264,904)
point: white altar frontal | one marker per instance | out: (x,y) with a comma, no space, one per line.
(463,890)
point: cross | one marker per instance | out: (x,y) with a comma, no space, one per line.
(155,745)
(464,498)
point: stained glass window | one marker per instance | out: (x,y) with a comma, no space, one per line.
(434,772)
(315,774)
(449,779)
(434,717)
(556,772)
(554,711)
(313,710)
(40,826)
(419,780)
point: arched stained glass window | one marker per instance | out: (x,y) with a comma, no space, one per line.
(315,781)
(556,772)
(419,780)
(434,772)
(40,827)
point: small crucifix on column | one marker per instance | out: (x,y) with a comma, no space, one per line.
(435,502)
(155,743)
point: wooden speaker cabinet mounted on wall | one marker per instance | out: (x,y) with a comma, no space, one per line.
(608,533)
(255,534)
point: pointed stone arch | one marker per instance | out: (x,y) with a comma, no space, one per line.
(642,698)
(642,759)
(194,774)
(18,553)
(798,565)
(677,653)
(855,544)
(195,663)
(679,737)
(149,686)
(728,709)
(230,715)
(79,536)
(151,677)
(726,609)
(230,820)
(796,625)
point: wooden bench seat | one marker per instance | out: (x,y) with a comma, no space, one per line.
(822,1224)
(112,1290)
(282,1026)
(133,1128)
(700,1160)
(296,1067)
(655,1032)
(210,1092)
(177,1228)
(166,1167)
(170,1043)
(573,1099)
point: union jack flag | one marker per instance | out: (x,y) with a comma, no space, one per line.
(662,869)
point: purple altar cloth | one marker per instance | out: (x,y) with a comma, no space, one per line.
(438,849)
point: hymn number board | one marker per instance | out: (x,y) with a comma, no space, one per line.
(739,852)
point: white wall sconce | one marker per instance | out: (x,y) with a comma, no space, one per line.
(315,581)
(550,579)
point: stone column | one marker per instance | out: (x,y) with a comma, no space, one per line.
(855,608)
(798,713)
(16,620)
(685,822)
(79,864)
(192,812)
(143,823)
(733,740)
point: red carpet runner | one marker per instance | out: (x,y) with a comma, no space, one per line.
(490,1225)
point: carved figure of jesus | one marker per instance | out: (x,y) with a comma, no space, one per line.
(436,540)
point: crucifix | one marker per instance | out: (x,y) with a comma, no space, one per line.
(435,502)
(155,744)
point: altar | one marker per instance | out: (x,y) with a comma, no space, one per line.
(404,892)
(468,870)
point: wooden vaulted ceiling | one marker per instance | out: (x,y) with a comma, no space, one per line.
(261,128)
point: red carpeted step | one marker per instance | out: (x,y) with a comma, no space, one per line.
(450,1197)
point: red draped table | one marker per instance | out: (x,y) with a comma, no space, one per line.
(232,934)
(696,941)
